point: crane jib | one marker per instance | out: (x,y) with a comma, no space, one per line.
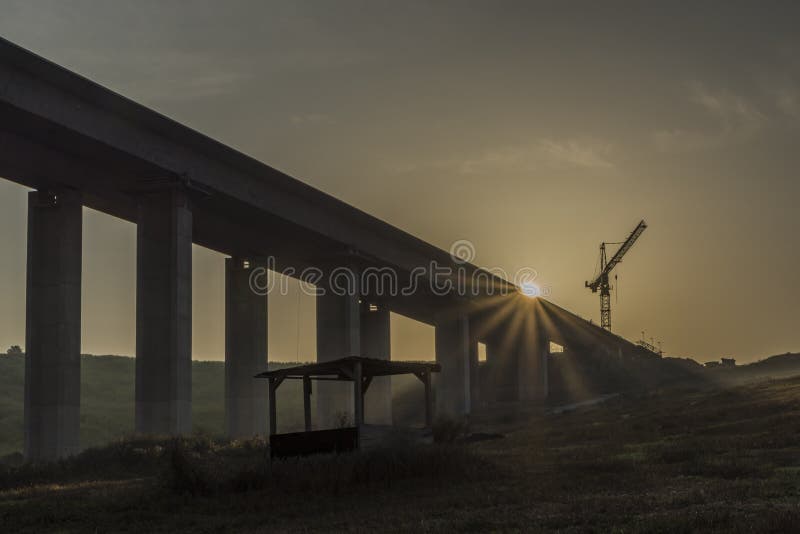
(626,246)
(601,281)
(623,249)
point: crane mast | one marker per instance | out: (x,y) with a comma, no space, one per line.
(601,282)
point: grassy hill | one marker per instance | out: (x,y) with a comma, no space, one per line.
(780,365)
(679,460)
(107,394)
(107,399)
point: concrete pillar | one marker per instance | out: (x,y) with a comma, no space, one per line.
(245,352)
(307,403)
(491,376)
(533,348)
(474,371)
(375,343)
(544,367)
(53,325)
(426,380)
(164,314)
(501,357)
(338,336)
(273,407)
(452,384)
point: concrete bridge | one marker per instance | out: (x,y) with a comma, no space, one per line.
(78,144)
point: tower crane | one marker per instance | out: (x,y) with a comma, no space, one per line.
(606,266)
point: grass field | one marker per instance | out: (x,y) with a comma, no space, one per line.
(724,460)
(107,399)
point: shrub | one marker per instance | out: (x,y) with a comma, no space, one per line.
(379,467)
(140,456)
(218,471)
(341,420)
(193,469)
(449,429)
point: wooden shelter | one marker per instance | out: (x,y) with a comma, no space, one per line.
(356,369)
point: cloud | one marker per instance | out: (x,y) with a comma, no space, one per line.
(576,154)
(788,101)
(736,120)
(544,153)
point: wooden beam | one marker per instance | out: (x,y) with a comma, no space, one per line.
(345,371)
(307,402)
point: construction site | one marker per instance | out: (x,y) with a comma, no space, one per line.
(328,267)
(181,188)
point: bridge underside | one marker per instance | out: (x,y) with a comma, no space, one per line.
(77,144)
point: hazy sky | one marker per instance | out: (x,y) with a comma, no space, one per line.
(535,130)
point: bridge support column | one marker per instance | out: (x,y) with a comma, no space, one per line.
(452,384)
(375,343)
(164,314)
(338,336)
(245,352)
(491,385)
(474,369)
(53,325)
(533,350)
(503,372)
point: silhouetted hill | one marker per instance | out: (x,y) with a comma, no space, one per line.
(789,362)
(576,376)
(107,390)
(778,366)
(580,375)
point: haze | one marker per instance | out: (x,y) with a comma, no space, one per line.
(534,130)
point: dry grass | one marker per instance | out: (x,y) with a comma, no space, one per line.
(230,469)
(677,461)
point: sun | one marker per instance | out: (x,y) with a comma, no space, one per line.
(529,289)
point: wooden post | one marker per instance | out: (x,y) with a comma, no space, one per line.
(358,394)
(307,402)
(273,412)
(428,400)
